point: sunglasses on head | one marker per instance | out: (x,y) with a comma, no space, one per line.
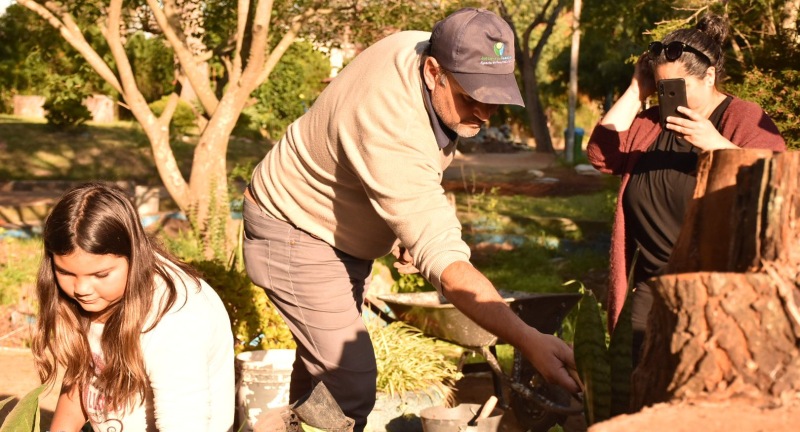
(674,50)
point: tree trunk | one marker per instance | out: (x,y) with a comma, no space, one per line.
(714,334)
(717,335)
(705,241)
(527,59)
(791,10)
(536,116)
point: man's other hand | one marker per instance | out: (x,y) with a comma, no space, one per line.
(404,263)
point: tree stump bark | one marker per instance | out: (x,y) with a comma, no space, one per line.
(725,321)
(718,335)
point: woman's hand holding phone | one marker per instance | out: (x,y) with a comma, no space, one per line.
(689,125)
(697,130)
(671,95)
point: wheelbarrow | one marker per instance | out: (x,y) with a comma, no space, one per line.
(537,405)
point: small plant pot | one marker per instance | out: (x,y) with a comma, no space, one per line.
(400,413)
(441,419)
(262,383)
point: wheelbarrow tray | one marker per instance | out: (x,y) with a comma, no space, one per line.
(435,316)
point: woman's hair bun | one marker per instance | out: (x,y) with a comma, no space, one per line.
(715,27)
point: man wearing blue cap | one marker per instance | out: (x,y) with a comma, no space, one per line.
(360,174)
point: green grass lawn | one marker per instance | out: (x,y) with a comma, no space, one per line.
(31,150)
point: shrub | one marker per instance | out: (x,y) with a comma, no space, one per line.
(250,311)
(778,92)
(409,361)
(18,267)
(64,105)
(292,88)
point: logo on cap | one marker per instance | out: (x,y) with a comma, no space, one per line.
(499,47)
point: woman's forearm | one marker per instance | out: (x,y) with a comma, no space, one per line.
(621,115)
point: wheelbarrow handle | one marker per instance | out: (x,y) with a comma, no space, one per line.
(538,399)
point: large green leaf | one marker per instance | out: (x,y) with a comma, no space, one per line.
(620,356)
(591,358)
(25,415)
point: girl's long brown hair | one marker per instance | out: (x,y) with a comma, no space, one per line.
(100,219)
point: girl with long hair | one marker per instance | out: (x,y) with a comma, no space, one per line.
(145,344)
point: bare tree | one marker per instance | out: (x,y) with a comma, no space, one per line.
(528,54)
(248,53)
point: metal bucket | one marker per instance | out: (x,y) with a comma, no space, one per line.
(262,383)
(441,419)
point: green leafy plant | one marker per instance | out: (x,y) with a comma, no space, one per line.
(778,92)
(255,322)
(294,85)
(409,361)
(25,415)
(604,362)
(64,106)
(408,283)
(21,262)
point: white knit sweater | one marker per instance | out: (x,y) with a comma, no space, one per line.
(188,357)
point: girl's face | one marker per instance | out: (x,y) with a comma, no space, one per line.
(95,282)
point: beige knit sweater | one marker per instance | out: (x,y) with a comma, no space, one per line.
(362,168)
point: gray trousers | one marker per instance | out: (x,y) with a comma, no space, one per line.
(319,292)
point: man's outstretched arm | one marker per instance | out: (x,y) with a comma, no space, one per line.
(474,295)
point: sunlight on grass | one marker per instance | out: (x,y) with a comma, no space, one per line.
(535,244)
(592,207)
(19,263)
(116,151)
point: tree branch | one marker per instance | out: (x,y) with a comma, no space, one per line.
(198,80)
(132,95)
(286,41)
(258,46)
(235,69)
(538,20)
(169,108)
(551,22)
(72,34)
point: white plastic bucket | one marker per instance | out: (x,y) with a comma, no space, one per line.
(262,382)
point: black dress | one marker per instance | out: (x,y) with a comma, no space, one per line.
(654,203)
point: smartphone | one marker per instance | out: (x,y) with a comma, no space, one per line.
(671,95)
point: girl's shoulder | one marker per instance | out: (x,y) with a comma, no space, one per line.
(194,301)
(197,314)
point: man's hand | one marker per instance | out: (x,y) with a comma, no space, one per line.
(554,359)
(405,263)
(477,298)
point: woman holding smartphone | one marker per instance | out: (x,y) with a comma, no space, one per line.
(658,164)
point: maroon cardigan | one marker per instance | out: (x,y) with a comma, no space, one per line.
(743,123)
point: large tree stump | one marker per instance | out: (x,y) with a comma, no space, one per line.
(718,335)
(725,322)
